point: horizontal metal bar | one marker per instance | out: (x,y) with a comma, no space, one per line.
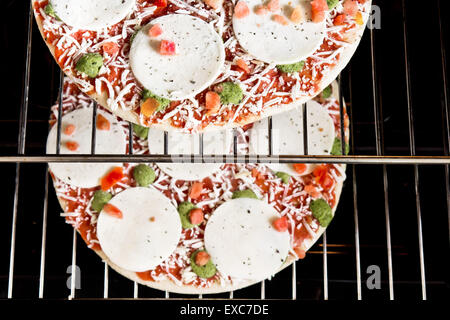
(230,159)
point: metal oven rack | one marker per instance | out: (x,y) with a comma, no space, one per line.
(380,156)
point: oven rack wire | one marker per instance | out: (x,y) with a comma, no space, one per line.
(379,158)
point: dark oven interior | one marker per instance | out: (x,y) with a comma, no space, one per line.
(393,216)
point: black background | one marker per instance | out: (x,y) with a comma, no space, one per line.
(427,103)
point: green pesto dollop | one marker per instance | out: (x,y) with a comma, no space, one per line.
(48,9)
(321,210)
(163,102)
(326,93)
(332,4)
(230,93)
(90,64)
(291,68)
(206,271)
(140,131)
(100,199)
(144,175)
(248,193)
(337,148)
(285,177)
(183,210)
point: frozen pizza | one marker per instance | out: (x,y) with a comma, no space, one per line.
(199,65)
(197,228)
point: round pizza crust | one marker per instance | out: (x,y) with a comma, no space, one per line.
(131,116)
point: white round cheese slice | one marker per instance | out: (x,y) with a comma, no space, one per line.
(214,143)
(146,235)
(242,242)
(198,61)
(272,42)
(287,135)
(92,14)
(86,175)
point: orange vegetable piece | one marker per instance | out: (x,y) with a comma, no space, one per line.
(297,14)
(350,7)
(196,190)
(301,234)
(111,48)
(103,123)
(155,30)
(319,5)
(322,177)
(300,252)
(318,9)
(320,172)
(110,179)
(112,211)
(160,3)
(359,18)
(243,65)
(241,10)
(280,19)
(311,190)
(340,19)
(72,145)
(280,224)
(212,103)
(202,258)
(196,216)
(149,107)
(299,167)
(273,5)
(167,48)
(318,16)
(327,182)
(69,129)
(261,10)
